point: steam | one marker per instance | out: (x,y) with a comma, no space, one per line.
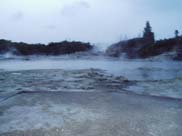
(132,70)
(10,54)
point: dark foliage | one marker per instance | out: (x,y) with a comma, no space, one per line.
(58,48)
(130,48)
(147,46)
(161,47)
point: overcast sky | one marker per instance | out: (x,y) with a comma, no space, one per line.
(95,21)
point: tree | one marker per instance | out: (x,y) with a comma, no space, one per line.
(148,35)
(148,28)
(176,33)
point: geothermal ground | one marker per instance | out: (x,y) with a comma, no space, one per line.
(100,98)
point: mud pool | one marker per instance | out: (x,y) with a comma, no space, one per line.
(90,97)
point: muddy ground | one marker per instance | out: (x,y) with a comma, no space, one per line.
(86,102)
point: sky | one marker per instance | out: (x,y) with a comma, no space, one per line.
(94,21)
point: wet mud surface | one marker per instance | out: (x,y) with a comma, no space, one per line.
(87,102)
(89,114)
